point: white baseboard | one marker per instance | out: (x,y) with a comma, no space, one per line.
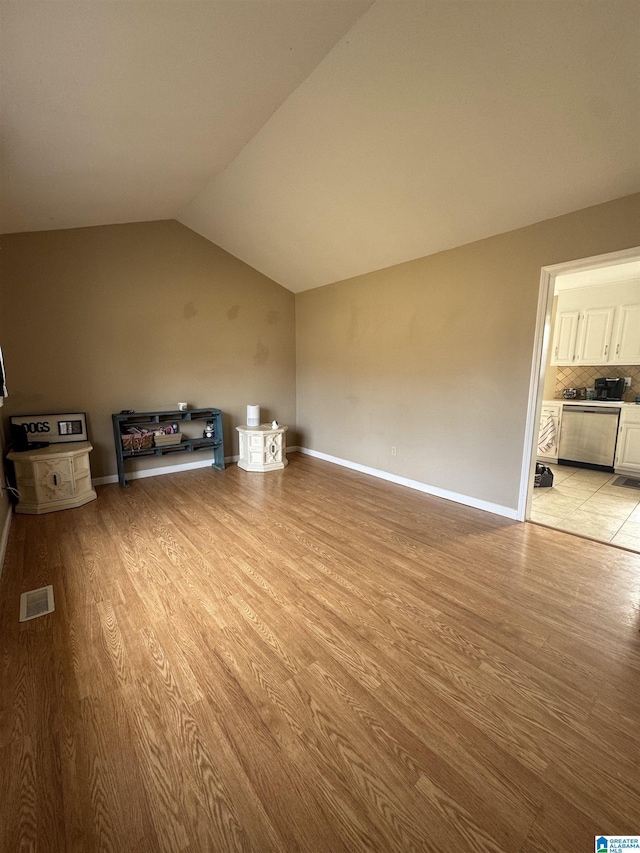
(157,472)
(4,538)
(168,469)
(496,509)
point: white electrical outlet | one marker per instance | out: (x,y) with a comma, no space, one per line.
(627,382)
(393,450)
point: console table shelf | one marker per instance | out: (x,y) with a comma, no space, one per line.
(148,420)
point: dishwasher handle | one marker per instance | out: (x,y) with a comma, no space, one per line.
(592,410)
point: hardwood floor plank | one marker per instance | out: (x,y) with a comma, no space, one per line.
(404,749)
(165,781)
(451,815)
(313,660)
(71,745)
(289,801)
(221,819)
(494,749)
(397,818)
(22,805)
(251,813)
(110,774)
(8,791)
(561,826)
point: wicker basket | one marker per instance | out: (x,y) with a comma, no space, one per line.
(167,440)
(137,441)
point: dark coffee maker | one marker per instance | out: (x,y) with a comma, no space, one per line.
(609,389)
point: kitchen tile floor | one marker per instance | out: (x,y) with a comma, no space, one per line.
(586,502)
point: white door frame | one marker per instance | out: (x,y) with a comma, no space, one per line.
(541,345)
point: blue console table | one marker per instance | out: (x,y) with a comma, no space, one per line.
(154,420)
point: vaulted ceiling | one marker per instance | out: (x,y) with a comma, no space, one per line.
(317,139)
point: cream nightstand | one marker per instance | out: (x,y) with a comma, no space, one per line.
(262,448)
(54,477)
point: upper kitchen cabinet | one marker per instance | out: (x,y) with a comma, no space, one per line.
(565,337)
(627,348)
(597,325)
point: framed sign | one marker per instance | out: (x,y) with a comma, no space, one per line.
(53,428)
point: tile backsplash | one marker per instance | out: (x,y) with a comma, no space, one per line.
(585,376)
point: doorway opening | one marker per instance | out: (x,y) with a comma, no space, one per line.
(572,347)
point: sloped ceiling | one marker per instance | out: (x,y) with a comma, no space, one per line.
(318,141)
(123,110)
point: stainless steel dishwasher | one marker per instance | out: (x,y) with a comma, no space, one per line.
(588,436)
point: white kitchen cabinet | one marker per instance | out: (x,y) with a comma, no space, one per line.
(628,446)
(598,325)
(627,344)
(594,335)
(566,337)
(553,411)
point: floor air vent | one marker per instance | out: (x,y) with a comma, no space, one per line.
(37,602)
(627,482)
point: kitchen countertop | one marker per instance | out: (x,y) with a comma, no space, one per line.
(572,402)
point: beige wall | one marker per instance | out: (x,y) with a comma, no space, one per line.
(141,316)
(434,355)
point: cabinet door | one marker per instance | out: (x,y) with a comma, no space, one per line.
(273,448)
(627,346)
(53,479)
(628,453)
(565,337)
(595,336)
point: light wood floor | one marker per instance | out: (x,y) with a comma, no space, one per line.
(313,660)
